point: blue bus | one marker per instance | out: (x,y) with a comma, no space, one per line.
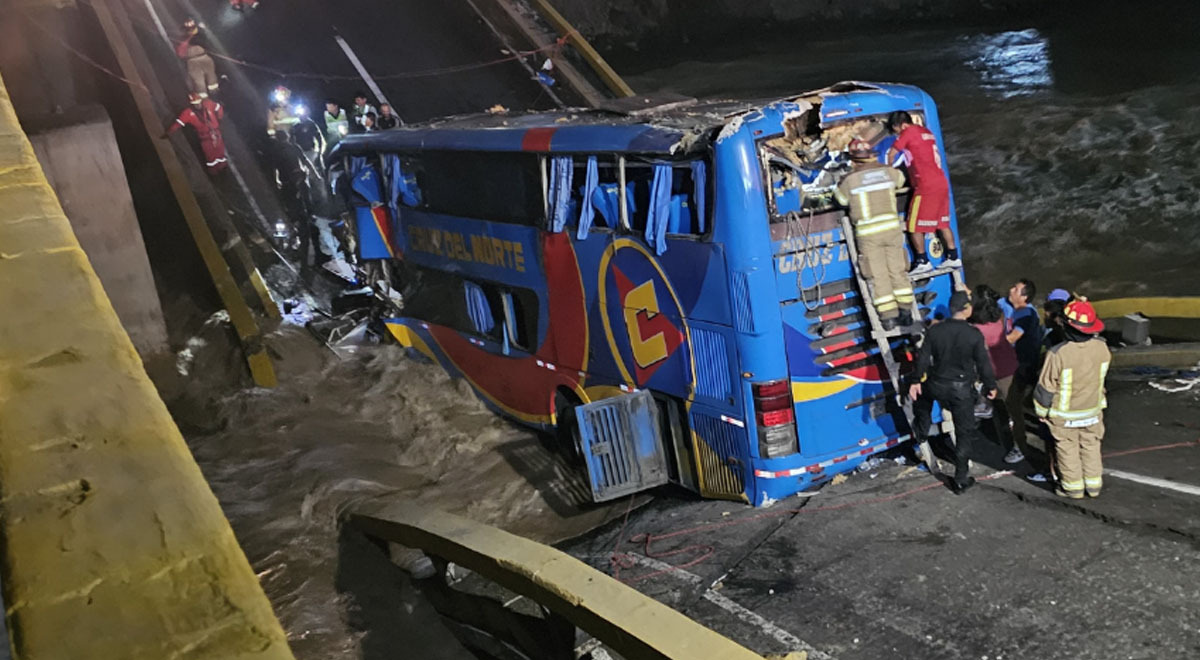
(666,288)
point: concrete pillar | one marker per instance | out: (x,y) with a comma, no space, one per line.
(78,152)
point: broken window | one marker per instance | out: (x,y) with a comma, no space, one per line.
(807,162)
(495,186)
(503,314)
(597,180)
(668,198)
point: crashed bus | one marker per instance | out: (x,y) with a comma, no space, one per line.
(667,289)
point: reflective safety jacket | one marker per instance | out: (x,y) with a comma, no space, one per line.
(336,126)
(1070,391)
(280,118)
(870,193)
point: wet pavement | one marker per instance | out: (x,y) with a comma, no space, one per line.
(889,563)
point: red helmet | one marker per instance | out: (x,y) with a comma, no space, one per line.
(195,98)
(860,149)
(1082,316)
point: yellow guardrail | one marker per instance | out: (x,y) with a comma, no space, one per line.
(1182,307)
(627,621)
(112,546)
(610,77)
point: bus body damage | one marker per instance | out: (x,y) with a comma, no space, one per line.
(680,252)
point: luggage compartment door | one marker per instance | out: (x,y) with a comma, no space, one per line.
(621,443)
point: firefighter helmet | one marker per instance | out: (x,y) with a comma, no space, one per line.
(281,95)
(195,98)
(860,149)
(1082,316)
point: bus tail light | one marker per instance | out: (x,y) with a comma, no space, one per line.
(776,417)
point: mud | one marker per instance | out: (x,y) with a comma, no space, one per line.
(285,463)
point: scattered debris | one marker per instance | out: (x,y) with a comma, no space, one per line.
(1182,382)
(295,312)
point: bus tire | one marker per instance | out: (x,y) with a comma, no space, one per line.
(566,431)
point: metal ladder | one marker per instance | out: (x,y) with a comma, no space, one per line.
(883,338)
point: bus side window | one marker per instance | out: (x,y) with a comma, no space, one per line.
(604,201)
(688,206)
(403,189)
(496,186)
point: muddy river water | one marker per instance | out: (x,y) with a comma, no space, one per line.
(1073,152)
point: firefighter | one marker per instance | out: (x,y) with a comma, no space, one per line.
(1069,398)
(869,191)
(193,50)
(929,210)
(204,116)
(280,117)
(336,123)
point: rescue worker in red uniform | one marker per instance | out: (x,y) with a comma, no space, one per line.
(193,50)
(929,210)
(204,116)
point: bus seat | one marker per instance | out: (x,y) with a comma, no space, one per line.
(607,203)
(680,220)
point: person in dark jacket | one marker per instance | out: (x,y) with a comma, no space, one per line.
(293,178)
(386,119)
(953,356)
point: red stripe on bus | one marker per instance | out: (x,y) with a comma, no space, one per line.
(848,359)
(537,139)
(833,348)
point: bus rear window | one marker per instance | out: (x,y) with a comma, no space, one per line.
(805,164)
(503,187)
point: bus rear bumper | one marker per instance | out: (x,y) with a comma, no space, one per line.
(776,479)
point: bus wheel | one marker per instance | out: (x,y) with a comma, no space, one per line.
(566,431)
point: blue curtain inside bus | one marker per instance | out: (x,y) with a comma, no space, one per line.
(562,169)
(366,183)
(588,211)
(659,213)
(700,187)
(478,308)
(403,185)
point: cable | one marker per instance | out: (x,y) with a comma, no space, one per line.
(80,55)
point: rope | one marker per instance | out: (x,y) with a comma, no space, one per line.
(82,56)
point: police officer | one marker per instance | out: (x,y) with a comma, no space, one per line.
(1069,398)
(952,357)
(869,191)
(337,124)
